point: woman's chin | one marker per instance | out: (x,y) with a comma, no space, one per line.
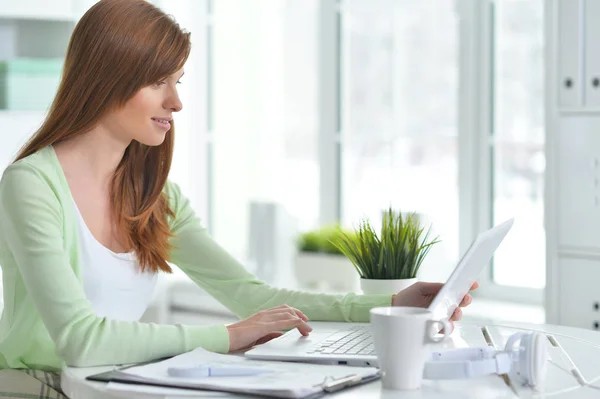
(153,141)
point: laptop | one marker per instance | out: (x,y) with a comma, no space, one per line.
(351,343)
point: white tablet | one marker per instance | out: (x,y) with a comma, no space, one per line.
(467,271)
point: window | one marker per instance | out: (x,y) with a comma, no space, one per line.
(400,106)
(518,159)
(402,143)
(189,167)
(264,108)
(341,108)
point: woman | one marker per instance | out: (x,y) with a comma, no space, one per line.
(89,219)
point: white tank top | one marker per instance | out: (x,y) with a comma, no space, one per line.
(113,282)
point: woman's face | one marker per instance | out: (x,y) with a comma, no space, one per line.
(147,116)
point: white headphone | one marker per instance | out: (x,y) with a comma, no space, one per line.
(527,364)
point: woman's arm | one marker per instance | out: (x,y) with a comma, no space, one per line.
(31,222)
(217,272)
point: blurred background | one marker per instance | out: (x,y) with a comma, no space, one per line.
(301,113)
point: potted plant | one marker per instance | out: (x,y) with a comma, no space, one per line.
(320,265)
(387,263)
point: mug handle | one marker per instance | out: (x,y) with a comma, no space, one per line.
(430,324)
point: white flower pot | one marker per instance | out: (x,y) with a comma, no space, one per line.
(373,287)
(325,272)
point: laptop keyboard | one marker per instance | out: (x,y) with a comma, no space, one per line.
(353,341)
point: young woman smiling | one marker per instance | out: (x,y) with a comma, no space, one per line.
(88,219)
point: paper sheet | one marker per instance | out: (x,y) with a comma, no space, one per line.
(292,380)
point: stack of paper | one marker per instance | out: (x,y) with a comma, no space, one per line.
(280,379)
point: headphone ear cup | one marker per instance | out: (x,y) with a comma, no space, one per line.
(512,340)
(525,359)
(519,365)
(537,356)
(533,352)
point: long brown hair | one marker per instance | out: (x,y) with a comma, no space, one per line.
(117,48)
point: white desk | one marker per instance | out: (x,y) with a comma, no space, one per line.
(585,355)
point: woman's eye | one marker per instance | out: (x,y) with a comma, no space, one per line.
(179,82)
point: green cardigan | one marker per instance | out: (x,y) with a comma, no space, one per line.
(47,320)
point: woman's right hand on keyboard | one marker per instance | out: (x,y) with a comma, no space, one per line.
(266,325)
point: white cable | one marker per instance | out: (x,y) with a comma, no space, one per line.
(559,366)
(575,373)
(574,369)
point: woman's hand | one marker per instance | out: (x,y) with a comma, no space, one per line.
(266,325)
(421,294)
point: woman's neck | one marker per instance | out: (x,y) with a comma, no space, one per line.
(95,154)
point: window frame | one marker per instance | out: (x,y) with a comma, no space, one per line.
(330,111)
(481,162)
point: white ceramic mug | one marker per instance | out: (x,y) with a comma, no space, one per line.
(401,335)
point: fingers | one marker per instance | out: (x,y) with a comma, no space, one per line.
(466,300)
(475,286)
(266,325)
(300,314)
(457,315)
(291,309)
(282,319)
(279,314)
(286,323)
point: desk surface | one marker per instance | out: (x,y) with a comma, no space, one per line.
(583,346)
